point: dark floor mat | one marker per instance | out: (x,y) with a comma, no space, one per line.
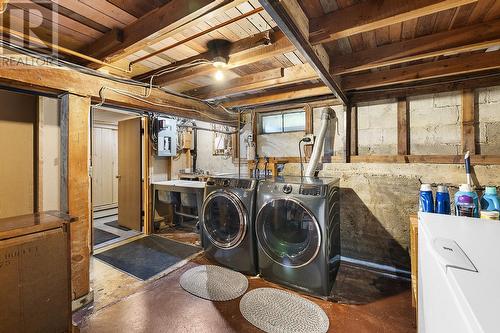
(147,256)
(101,236)
(115,224)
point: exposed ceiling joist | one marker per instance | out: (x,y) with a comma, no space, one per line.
(294,23)
(446,67)
(465,39)
(453,83)
(163,22)
(288,94)
(371,15)
(246,52)
(242,45)
(266,79)
(61,80)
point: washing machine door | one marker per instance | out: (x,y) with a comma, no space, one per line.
(288,232)
(224,219)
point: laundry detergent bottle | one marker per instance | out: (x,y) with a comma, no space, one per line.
(426,202)
(490,201)
(465,190)
(442,205)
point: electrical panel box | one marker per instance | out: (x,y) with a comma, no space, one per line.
(167,136)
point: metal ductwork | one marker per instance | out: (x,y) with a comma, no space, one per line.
(326,115)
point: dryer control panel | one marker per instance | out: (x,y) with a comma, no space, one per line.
(301,189)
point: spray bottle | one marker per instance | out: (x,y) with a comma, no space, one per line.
(465,190)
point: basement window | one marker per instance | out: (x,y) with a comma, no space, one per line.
(287,121)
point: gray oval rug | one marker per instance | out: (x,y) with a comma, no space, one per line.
(277,311)
(214,283)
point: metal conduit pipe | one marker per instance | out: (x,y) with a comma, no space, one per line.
(209,129)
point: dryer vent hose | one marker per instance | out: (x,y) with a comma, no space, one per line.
(326,115)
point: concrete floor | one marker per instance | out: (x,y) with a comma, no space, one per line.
(363,301)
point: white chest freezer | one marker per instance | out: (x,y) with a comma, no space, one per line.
(458,274)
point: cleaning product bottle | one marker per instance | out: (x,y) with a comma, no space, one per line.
(442,205)
(465,190)
(465,205)
(426,202)
(490,201)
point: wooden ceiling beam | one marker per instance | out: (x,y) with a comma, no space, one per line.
(432,86)
(446,67)
(64,80)
(246,44)
(465,39)
(294,23)
(162,22)
(272,78)
(246,51)
(288,94)
(371,15)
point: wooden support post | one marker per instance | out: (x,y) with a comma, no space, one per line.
(75,186)
(348,128)
(146,176)
(403,126)
(354,131)
(468,122)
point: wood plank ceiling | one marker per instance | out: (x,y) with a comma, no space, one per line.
(370,44)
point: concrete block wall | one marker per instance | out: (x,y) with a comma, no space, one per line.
(435,124)
(377,128)
(488,109)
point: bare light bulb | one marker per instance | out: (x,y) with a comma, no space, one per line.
(219,76)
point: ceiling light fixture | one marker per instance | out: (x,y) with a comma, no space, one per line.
(219,50)
(219,75)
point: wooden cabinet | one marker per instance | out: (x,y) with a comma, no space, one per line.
(35,273)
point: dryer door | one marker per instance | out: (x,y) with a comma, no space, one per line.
(224,219)
(288,232)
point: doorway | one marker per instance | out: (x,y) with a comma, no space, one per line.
(117,169)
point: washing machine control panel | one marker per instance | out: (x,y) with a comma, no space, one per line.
(245,184)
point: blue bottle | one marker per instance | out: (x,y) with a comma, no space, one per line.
(426,202)
(490,201)
(466,190)
(443,200)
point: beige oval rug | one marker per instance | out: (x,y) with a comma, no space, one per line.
(277,311)
(214,283)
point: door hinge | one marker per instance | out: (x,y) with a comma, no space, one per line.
(142,213)
(142,130)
